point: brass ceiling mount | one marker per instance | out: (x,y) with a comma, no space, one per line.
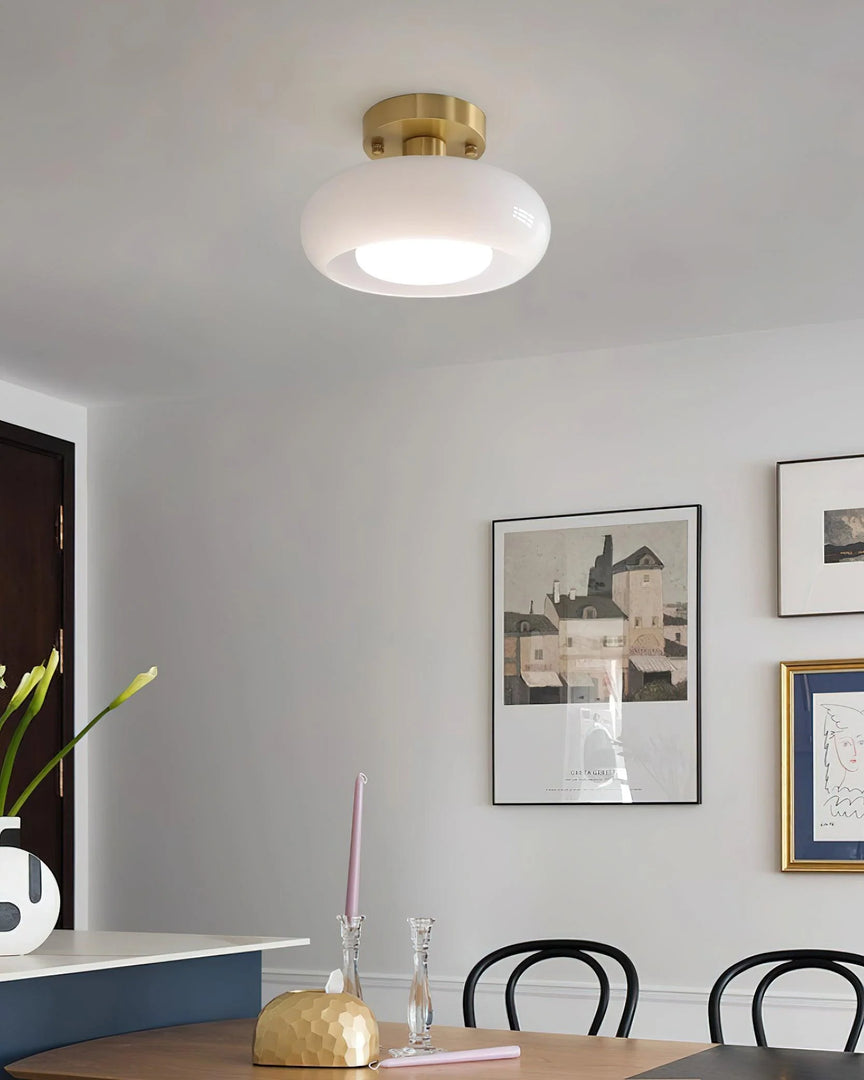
(426,124)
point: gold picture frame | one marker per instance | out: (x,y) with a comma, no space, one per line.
(822,752)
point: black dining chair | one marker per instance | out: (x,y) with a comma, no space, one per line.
(787,960)
(550,949)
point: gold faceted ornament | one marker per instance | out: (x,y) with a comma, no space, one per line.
(312,1027)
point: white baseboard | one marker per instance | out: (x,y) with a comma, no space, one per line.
(664,1012)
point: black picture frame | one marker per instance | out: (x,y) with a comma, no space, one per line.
(575,686)
(820,536)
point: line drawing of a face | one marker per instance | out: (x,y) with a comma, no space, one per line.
(844,747)
(849,749)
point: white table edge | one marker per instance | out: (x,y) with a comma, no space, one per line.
(43,963)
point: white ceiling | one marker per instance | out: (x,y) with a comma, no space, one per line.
(701,160)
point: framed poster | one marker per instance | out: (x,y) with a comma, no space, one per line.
(822,706)
(820,536)
(596,658)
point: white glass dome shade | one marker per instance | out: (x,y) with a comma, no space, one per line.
(393,209)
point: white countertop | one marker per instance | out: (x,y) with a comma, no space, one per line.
(68,951)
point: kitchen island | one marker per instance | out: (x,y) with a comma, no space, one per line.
(86,984)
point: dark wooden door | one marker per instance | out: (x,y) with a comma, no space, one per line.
(36,592)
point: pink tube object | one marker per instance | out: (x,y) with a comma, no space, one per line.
(352,893)
(453,1057)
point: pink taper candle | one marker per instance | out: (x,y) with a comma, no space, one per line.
(352,894)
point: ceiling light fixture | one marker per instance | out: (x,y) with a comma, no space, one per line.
(424,217)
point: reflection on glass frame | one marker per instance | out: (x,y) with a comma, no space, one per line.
(596,658)
(820,536)
(822,707)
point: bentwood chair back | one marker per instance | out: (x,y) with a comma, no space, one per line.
(550,949)
(786,960)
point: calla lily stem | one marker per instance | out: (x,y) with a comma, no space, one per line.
(38,681)
(53,763)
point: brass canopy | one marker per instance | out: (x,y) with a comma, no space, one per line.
(424,124)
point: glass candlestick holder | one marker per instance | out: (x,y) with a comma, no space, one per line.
(351,930)
(419,998)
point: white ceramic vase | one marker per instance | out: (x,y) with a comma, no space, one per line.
(29,896)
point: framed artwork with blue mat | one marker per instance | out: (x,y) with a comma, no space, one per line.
(822,705)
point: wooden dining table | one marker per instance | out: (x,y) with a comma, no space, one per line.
(223,1051)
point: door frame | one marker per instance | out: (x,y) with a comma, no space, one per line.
(36,441)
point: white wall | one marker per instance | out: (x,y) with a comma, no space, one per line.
(311,572)
(65,420)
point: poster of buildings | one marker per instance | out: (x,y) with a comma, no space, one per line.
(596,657)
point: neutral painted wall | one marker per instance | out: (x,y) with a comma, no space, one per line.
(67,420)
(311,571)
